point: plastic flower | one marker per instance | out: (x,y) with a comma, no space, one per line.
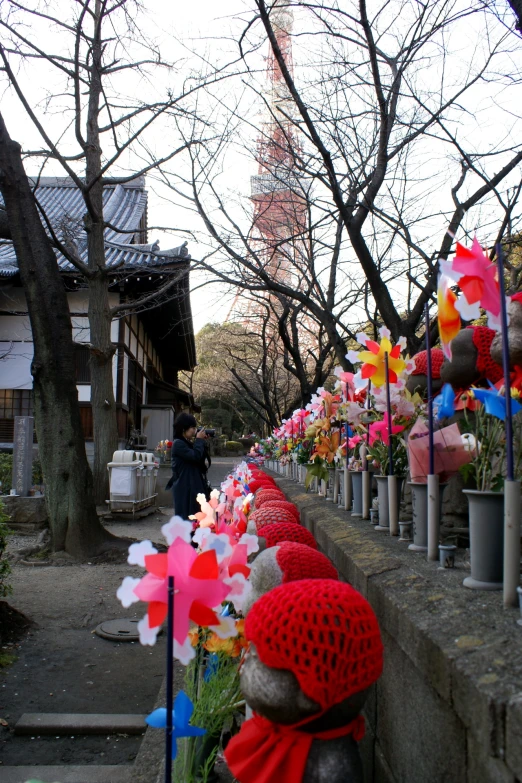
(448,315)
(373,360)
(379,430)
(327,447)
(182,713)
(344,382)
(476,277)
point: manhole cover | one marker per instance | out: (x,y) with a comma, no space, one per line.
(119,630)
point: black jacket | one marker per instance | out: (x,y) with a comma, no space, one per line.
(187,469)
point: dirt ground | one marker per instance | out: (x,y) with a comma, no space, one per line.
(62,666)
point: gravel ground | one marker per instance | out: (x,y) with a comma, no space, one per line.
(63,666)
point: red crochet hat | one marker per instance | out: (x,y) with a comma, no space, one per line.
(299,561)
(271,516)
(256,484)
(421,362)
(264,495)
(287,531)
(324,632)
(517,297)
(285,505)
(482,339)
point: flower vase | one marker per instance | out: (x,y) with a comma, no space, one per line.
(419,502)
(486,540)
(382,494)
(330,484)
(356,493)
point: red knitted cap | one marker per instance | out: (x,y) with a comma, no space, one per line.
(287,531)
(264,495)
(421,362)
(323,631)
(271,516)
(298,561)
(286,506)
(482,339)
(256,484)
(517,297)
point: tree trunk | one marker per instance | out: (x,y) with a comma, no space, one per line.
(105,432)
(74,523)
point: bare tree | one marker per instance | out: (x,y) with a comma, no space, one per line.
(376,101)
(69,497)
(95,48)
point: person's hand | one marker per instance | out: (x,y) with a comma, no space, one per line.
(202,434)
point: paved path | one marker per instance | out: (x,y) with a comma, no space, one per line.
(63,667)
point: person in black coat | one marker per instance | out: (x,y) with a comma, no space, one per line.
(188,465)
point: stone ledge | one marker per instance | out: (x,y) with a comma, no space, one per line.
(72,723)
(463,644)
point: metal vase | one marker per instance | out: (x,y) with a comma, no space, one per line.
(486,540)
(382,494)
(419,503)
(356,493)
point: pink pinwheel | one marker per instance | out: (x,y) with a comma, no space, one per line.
(345,383)
(210,509)
(198,589)
(379,430)
(352,442)
(477,278)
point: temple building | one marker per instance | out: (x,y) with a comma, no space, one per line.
(153,342)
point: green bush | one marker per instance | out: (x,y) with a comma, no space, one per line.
(233,445)
(6,473)
(5,568)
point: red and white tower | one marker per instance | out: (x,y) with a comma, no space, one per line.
(279,204)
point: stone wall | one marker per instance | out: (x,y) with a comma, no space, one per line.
(448,707)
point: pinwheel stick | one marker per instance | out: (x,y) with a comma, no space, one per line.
(511,487)
(170,668)
(366,484)
(392,479)
(433,479)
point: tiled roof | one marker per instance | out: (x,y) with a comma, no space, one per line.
(124,206)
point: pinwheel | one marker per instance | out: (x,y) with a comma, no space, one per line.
(495,403)
(344,383)
(198,591)
(373,361)
(477,278)
(210,509)
(181,715)
(448,315)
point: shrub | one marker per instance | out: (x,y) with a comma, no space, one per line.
(5,568)
(233,445)
(6,473)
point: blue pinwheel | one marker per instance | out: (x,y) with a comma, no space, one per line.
(495,403)
(181,715)
(444,403)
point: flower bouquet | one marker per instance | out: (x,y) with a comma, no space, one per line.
(451,452)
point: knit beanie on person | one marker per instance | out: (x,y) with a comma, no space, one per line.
(285,505)
(271,516)
(299,561)
(482,339)
(421,363)
(265,495)
(286,531)
(324,632)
